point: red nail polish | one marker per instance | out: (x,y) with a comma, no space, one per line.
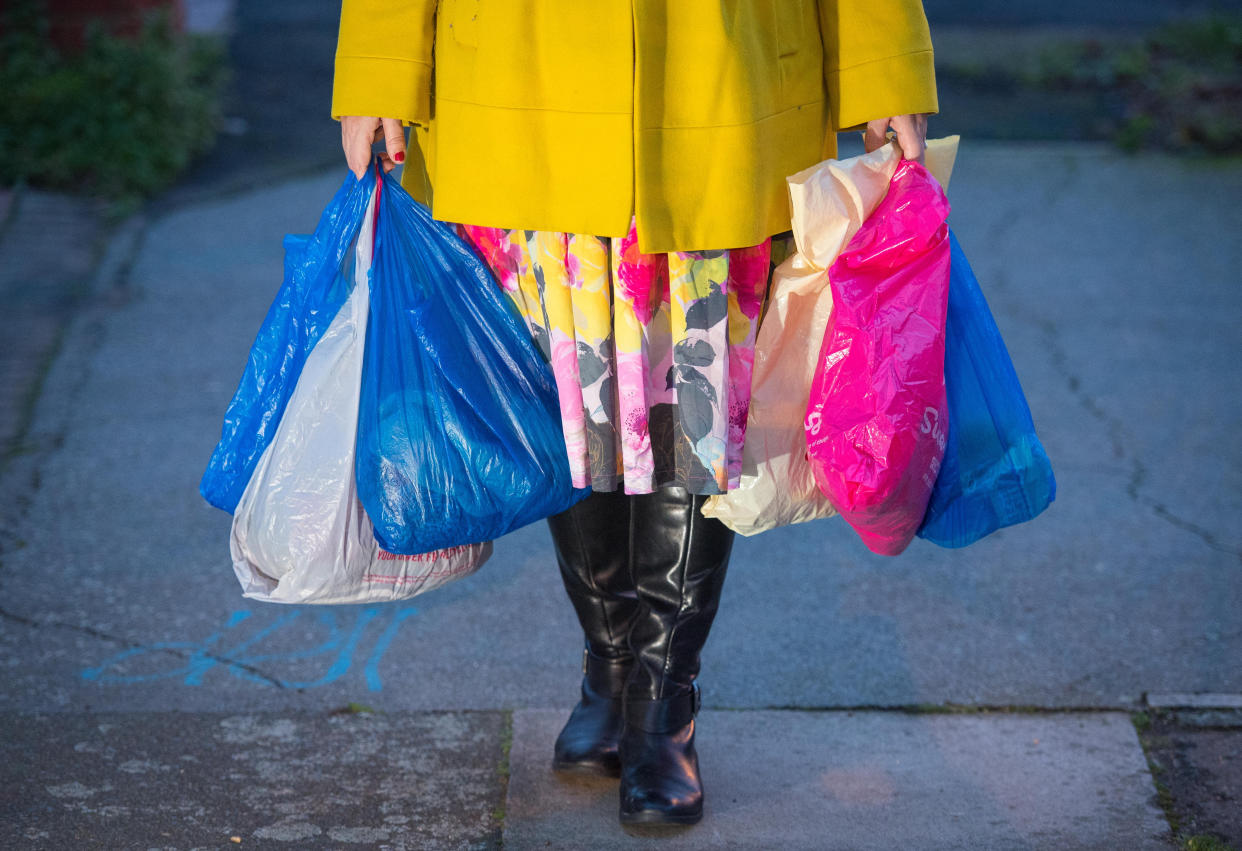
(399,157)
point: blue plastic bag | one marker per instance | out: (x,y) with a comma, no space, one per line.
(995,472)
(318,278)
(459,428)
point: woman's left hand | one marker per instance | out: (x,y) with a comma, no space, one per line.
(911,133)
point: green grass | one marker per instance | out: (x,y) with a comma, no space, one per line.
(1205,842)
(502,771)
(971,709)
(1164,797)
(354,708)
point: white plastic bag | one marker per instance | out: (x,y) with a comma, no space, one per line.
(300,534)
(829,203)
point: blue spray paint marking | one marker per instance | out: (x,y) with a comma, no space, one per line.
(381,646)
(212,652)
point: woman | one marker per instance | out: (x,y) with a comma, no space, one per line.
(620,165)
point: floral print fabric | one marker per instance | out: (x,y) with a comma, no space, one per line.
(652,352)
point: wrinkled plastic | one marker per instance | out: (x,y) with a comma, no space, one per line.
(459,429)
(995,471)
(318,278)
(299,532)
(776,487)
(877,413)
(829,201)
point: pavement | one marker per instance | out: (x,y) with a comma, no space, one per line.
(834,682)
(994,697)
(40,293)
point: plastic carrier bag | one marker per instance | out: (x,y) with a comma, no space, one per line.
(319,276)
(289,463)
(995,472)
(284,465)
(459,428)
(829,201)
(877,413)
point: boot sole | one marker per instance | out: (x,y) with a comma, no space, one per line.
(589,769)
(655,817)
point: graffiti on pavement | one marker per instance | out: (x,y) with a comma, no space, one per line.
(237,650)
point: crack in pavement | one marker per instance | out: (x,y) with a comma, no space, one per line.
(1115,428)
(1206,535)
(1116,431)
(130,645)
(1118,436)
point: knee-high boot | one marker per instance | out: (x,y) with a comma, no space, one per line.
(592,550)
(678,558)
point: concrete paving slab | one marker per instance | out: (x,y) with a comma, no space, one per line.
(180,781)
(829,780)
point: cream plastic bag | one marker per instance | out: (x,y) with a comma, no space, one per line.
(300,534)
(829,202)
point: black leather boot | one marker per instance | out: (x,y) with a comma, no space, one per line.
(592,549)
(678,558)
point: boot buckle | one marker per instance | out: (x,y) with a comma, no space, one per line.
(663,715)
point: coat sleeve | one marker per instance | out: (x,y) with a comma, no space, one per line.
(384,59)
(877,60)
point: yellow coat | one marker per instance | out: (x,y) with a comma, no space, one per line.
(574,115)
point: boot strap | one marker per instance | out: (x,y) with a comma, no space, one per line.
(666,715)
(605,677)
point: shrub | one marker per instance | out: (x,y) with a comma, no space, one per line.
(121,119)
(1182,84)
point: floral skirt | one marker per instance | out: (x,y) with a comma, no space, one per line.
(652,352)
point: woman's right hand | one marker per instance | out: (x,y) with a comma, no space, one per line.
(360,132)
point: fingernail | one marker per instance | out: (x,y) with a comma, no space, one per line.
(399,157)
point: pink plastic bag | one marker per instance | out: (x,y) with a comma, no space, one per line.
(877,416)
